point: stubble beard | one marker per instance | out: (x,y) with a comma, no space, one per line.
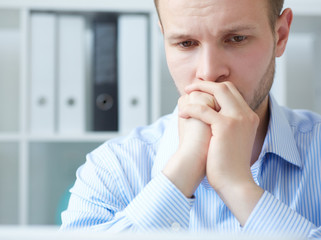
(264,86)
(263,89)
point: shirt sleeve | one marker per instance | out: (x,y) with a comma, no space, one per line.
(159,207)
(271,216)
(102,200)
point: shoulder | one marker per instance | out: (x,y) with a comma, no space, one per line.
(127,161)
(139,145)
(145,135)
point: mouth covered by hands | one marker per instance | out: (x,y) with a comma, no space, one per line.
(233,126)
(217,129)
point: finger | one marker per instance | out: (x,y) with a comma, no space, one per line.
(221,91)
(211,87)
(203,113)
(203,98)
(225,93)
(200,98)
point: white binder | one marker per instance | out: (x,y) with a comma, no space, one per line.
(43,57)
(9,78)
(71,74)
(133,71)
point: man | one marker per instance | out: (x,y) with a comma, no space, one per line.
(229,159)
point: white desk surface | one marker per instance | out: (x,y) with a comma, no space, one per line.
(52,233)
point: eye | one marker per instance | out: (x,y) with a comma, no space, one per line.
(236,39)
(187,44)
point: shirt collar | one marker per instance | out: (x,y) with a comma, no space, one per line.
(279,139)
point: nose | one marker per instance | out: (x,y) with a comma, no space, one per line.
(212,64)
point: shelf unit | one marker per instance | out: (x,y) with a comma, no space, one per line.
(37,170)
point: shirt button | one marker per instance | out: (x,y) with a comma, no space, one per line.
(176,227)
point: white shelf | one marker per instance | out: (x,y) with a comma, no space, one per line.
(10,137)
(74,138)
(41,167)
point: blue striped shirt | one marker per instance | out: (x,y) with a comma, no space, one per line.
(121,186)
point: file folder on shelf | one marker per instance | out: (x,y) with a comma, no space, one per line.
(105,74)
(43,73)
(133,71)
(9,77)
(71,68)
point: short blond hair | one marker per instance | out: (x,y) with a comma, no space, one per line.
(275,8)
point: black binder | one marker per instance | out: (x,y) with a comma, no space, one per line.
(105,74)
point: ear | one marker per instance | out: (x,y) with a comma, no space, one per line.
(282,30)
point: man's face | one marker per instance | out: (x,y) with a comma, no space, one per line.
(220,40)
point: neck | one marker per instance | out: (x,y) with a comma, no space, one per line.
(264,115)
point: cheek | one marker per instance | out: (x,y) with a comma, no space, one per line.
(182,69)
(254,64)
(249,68)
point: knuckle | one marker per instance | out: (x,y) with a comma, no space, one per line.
(249,119)
(182,100)
(203,109)
(194,95)
(229,124)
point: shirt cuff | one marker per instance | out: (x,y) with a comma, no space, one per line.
(272,217)
(160,206)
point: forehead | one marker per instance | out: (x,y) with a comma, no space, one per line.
(213,13)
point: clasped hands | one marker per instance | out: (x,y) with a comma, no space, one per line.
(217,130)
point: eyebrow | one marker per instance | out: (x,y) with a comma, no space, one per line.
(240,28)
(228,30)
(179,36)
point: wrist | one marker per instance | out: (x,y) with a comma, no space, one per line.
(185,172)
(241,198)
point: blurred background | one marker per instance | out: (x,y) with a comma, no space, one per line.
(75,73)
